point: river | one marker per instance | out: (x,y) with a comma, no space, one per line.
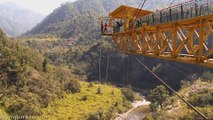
(136,113)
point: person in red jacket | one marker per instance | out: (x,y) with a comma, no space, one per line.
(105,28)
(102,27)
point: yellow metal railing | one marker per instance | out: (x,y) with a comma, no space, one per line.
(186,10)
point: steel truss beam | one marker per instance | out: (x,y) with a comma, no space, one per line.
(188,41)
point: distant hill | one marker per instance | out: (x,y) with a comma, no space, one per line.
(76,18)
(81,17)
(15,20)
(10,27)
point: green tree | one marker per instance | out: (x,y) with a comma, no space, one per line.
(22,107)
(128,93)
(207,76)
(158,95)
(13,64)
(44,65)
(154,106)
(201,98)
(72,86)
(3,38)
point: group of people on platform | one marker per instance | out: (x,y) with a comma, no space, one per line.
(118,24)
(104,27)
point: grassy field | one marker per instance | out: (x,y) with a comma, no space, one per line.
(88,101)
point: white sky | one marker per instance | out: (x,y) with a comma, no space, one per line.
(41,6)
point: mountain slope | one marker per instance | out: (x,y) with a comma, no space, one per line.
(80,17)
(78,21)
(15,20)
(10,27)
(76,18)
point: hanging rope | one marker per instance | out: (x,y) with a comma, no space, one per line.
(137,13)
(139,6)
(189,104)
(171,3)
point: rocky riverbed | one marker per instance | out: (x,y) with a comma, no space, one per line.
(138,112)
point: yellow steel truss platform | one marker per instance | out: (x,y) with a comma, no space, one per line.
(186,40)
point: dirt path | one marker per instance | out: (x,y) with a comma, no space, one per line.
(129,115)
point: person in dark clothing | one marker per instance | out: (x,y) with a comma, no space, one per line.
(105,28)
(138,24)
(118,26)
(102,27)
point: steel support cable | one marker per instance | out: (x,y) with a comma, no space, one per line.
(138,13)
(139,6)
(189,104)
(171,3)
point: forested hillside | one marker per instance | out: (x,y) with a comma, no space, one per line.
(32,86)
(78,22)
(24,88)
(79,18)
(73,19)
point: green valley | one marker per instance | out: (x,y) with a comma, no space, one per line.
(94,100)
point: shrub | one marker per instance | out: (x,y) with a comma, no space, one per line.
(202,98)
(93,117)
(116,104)
(44,65)
(90,85)
(99,115)
(22,108)
(99,91)
(154,107)
(73,86)
(103,115)
(158,95)
(207,76)
(112,92)
(148,117)
(97,82)
(84,98)
(185,83)
(45,97)
(128,93)
(110,114)
(208,112)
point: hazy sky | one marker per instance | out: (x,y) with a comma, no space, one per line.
(41,6)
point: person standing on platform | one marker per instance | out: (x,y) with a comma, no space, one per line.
(105,28)
(102,27)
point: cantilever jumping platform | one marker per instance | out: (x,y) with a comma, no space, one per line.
(181,33)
